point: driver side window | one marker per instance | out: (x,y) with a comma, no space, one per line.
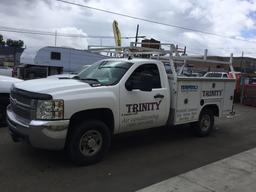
(149,69)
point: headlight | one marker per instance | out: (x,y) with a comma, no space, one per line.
(50,109)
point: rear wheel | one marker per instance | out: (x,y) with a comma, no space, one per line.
(205,124)
(88,142)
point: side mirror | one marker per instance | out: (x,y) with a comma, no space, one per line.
(129,85)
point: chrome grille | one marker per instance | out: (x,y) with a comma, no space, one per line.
(23,103)
(20,106)
(19,97)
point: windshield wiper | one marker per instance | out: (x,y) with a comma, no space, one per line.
(86,79)
(98,83)
(89,79)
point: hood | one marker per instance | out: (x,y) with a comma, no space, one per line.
(9,79)
(6,83)
(51,85)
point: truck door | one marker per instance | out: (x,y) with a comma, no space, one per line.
(143,109)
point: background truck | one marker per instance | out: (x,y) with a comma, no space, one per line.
(5,88)
(114,96)
(5,71)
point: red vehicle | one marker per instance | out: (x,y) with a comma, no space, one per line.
(238,85)
(249,91)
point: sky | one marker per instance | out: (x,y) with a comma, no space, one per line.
(229,18)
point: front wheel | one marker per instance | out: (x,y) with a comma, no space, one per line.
(88,142)
(205,124)
(2,116)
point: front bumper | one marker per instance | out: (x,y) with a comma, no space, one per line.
(40,134)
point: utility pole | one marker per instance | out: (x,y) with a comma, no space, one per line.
(184,51)
(101,42)
(242,79)
(241,63)
(136,36)
(55,40)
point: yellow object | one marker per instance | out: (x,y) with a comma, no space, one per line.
(117,34)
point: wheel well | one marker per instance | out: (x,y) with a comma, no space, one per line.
(212,107)
(102,114)
(4,99)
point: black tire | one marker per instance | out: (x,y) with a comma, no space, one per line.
(2,116)
(205,124)
(88,142)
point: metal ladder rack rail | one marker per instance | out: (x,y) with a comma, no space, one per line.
(178,56)
(172,54)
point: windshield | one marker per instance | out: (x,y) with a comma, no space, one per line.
(213,75)
(105,72)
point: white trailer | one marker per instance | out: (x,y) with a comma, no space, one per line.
(56,60)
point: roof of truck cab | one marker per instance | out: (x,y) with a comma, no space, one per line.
(133,60)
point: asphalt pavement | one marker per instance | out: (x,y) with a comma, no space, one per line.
(233,174)
(136,160)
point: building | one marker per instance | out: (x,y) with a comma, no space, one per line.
(10,56)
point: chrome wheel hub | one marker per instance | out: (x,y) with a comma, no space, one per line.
(205,122)
(90,142)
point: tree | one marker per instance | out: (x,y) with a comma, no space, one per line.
(20,43)
(14,43)
(9,42)
(2,42)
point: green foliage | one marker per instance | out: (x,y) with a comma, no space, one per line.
(11,43)
(14,43)
(2,42)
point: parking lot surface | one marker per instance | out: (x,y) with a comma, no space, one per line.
(136,160)
(235,173)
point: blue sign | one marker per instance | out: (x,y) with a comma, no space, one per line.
(189,88)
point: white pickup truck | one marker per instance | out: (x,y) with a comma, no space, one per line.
(110,97)
(5,88)
(6,71)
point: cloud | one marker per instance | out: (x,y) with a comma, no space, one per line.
(230,18)
(45,16)
(79,43)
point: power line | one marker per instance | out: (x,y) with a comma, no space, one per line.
(47,33)
(156,22)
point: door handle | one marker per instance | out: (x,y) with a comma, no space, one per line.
(158,96)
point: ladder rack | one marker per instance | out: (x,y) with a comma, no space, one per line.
(169,54)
